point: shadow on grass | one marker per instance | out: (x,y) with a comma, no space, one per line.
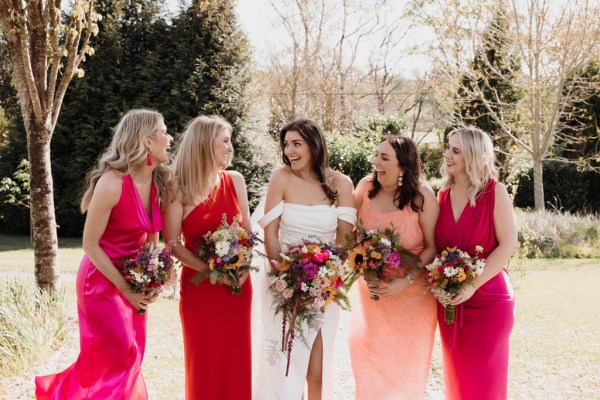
(16,242)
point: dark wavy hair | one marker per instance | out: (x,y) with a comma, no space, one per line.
(314,137)
(409,160)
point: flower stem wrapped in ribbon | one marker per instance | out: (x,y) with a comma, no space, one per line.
(449,272)
(149,270)
(228,252)
(376,255)
(307,280)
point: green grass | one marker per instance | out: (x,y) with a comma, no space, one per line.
(555,350)
(16,254)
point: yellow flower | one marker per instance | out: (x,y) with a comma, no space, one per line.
(357,257)
(452,249)
(283,266)
(313,248)
(329,263)
(211,264)
(444,254)
(329,298)
(461,276)
(237,264)
(376,255)
(242,234)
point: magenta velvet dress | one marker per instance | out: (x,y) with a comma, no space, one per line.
(112,333)
(475,348)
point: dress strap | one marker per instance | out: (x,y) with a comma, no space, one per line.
(274,213)
(347,214)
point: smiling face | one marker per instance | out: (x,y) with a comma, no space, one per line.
(296,150)
(453,159)
(386,165)
(223,148)
(159,145)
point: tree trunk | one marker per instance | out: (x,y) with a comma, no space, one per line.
(538,184)
(43,219)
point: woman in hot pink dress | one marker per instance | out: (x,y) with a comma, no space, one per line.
(475,210)
(391,340)
(123,212)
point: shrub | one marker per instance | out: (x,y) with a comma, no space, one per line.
(352,154)
(431,158)
(549,234)
(32,322)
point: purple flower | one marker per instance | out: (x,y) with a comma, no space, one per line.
(310,271)
(393,260)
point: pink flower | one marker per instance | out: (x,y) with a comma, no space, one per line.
(338,283)
(280,285)
(393,260)
(320,257)
(288,293)
(310,271)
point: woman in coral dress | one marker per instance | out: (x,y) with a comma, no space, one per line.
(305,198)
(123,213)
(215,322)
(475,210)
(391,340)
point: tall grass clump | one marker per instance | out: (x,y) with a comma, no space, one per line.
(550,234)
(32,323)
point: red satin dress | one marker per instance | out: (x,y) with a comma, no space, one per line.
(112,333)
(215,322)
(476,347)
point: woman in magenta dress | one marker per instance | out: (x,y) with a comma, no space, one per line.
(475,210)
(123,213)
(215,322)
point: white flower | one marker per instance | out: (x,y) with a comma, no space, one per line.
(222,248)
(385,242)
(304,287)
(322,272)
(221,235)
(319,302)
(315,291)
(304,249)
(283,256)
(450,272)
(139,277)
(478,249)
(479,265)
(153,264)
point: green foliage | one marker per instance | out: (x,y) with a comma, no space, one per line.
(16,190)
(549,234)
(431,158)
(565,188)
(351,155)
(32,323)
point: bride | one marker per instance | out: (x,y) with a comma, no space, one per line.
(304,198)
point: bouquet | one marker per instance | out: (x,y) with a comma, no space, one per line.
(451,271)
(376,255)
(308,279)
(228,251)
(148,270)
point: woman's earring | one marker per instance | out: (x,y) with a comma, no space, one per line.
(400,178)
(149,160)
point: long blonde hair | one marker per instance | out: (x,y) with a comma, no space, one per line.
(126,152)
(478,151)
(195,166)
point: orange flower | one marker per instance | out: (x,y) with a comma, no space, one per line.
(283,266)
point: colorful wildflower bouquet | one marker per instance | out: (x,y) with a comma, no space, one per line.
(308,279)
(376,255)
(449,272)
(228,252)
(148,270)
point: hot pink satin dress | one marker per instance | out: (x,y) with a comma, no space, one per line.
(476,347)
(112,333)
(391,340)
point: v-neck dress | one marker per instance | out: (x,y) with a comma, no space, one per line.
(476,347)
(112,333)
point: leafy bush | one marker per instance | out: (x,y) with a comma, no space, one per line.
(352,154)
(431,158)
(549,234)
(31,322)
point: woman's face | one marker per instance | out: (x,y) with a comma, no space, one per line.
(453,158)
(386,165)
(160,144)
(223,148)
(296,150)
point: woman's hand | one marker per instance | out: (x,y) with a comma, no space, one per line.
(138,300)
(465,294)
(388,286)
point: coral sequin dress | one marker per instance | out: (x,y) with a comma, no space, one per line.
(112,333)
(215,322)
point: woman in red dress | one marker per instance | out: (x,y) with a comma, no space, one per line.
(475,210)
(216,323)
(123,212)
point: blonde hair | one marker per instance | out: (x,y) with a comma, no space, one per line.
(478,151)
(195,166)
(126,152)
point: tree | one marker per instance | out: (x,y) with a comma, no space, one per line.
(553,42)
(46,52)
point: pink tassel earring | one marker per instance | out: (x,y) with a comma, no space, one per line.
(149,161)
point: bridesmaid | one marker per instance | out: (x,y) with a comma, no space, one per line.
(475,209)
(123,212)
(391,340)
(216,323)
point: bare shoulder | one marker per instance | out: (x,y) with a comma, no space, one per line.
(500,191)
(108,188)
(280,176)
(339,181)
(426,189)
(236,177)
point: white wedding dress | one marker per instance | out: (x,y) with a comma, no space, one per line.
(270,383)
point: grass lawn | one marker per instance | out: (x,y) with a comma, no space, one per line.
(555,348)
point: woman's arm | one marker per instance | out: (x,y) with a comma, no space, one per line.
(505,227)
(242,196)
(428,219)
(274,196)
(105,197)
(344,187)
(172,220)
(359,192)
